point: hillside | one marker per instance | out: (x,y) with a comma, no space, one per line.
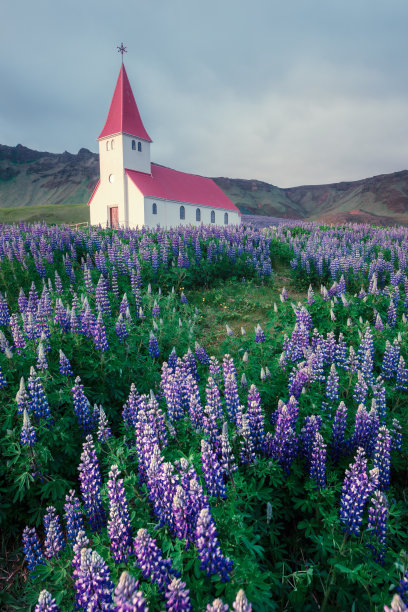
(29,178)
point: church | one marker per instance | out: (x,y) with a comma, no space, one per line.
(132,191)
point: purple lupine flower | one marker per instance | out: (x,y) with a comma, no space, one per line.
(338,445)
(382,457)
(402,588)
(81,541)
(402,375)
(298,378)
(332,384)
(227,460)
(28,437)
(214,368)
(22,398)
(93,584)
(127,597)
(130,409)
(217,606)
(380,396)
(64,365)
(307,436)
(363,429)
(318,462)
(241,603)
(99,335)
(124,305)
(232,401)
(119,529)
(391,314)
(367,367)
(366,344)
(42,363)
(32,548)
(247,453)
(120,328)
(255,417)
(259,334)
(18,338)
(101,296)
(149,558)
(212,472)
(82,407)
(310,295)
(283,445)
(153,346)
(209,551)
(390,360)
(379,325)
(155,310)
(183,298)
(377,526)
(201,354)
(54,541)
(73,516)
(4,311)
(177,597)
(104,431)
(396,435)
(352,361)
(38,401)
(46,603)
(357,487)
(361,389)
(90,477)
(172,360)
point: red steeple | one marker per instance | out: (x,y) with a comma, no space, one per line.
(123,115)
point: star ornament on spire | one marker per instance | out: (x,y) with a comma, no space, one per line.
(122,49)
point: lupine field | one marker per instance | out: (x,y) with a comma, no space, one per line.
(153,460)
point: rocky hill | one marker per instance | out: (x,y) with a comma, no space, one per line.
(30,177)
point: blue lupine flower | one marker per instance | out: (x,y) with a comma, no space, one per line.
(357,487)
(32,548)
(127,596)
(46,603)
(377,526)
(90,477)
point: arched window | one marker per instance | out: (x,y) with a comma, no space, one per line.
(198,214)
(182,212)
(212,216)
(225,218)
(133,145)
(154,208)
(112,143)
(139,146)
(107,145)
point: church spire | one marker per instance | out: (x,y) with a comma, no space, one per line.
(123,115)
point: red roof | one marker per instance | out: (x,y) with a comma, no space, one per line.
(94,191)
(182,187)
(123,115)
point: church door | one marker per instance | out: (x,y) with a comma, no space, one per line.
(114,217)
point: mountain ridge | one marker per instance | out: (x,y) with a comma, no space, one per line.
(29,177)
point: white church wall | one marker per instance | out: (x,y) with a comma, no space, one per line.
(168,214)
(135,205)
(134,159)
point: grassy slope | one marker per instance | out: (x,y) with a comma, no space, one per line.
(72,213)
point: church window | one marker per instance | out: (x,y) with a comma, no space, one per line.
(154,208)
(107,145)
(226,219)
(182,212)
(112,142)
(212,216)
(198,214)
(133,145)
(139,146)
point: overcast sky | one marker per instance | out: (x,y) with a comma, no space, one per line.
(290,92)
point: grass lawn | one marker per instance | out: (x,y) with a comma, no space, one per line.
(51,214)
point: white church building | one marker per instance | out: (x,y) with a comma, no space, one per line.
(133,192)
